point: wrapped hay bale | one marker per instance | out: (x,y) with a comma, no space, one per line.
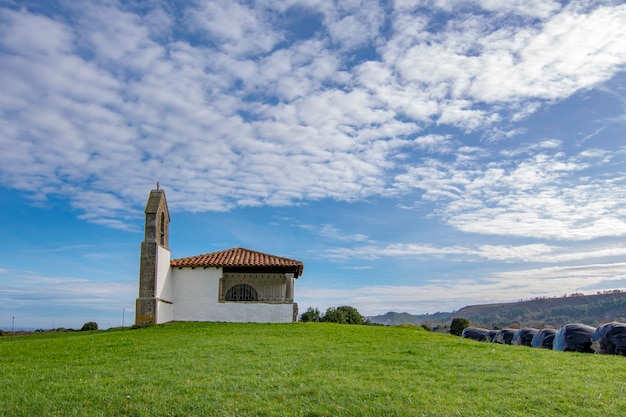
(610,339)
(574,337)
(491,334)
(544,339)
(474,333)
(504,336)
(524,337)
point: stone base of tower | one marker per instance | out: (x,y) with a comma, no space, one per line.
(145,311)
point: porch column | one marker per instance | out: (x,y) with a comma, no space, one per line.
(289,288)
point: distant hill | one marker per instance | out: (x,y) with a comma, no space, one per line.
(394,319)
(589,309)
(551,312)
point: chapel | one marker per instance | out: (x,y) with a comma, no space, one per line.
(233,285)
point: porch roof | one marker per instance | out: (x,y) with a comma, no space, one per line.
(240,258)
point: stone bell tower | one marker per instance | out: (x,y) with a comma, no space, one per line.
(155,261)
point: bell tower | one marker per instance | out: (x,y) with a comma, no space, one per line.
(155,259)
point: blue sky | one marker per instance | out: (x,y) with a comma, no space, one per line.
(417,156)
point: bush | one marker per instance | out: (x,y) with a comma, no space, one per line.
(352,315)
(334,315)
(92,325)
(458,325)
(310,315)
(343,315)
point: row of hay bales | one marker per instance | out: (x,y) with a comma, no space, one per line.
(610,338)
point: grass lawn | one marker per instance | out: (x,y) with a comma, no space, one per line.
(313,369)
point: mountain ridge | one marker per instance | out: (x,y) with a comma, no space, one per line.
(593,310)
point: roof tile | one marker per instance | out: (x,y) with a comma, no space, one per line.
(238,257)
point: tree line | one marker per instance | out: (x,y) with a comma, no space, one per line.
(341,315)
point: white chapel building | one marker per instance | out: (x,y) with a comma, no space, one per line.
(233,285)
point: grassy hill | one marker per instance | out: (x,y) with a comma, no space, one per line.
(312,369)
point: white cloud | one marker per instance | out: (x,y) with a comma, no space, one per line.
(549,63)
(396,250)
(24,288)
(33,35)
(44,301)
(547,253)
(331,232)
(435,143)
(106,101)
(530,8)
(481,60)
(533,8)
(444,295)
(233,27)
(544,195)
(354,23)
(531,253)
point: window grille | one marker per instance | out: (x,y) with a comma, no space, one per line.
(241,292)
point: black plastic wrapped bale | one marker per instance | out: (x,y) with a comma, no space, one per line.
(474,333)
(524,337)
(504,336)
(544,339)
(610,339)
(574,337)
(491,334)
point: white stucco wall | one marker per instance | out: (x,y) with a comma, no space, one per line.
(164,293)
(196,298)
(165,312)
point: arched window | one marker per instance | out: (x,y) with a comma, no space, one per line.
(241,292)
(162,229)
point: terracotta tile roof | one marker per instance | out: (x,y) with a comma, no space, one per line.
(239,257)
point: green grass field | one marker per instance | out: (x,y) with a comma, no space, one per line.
(314,369)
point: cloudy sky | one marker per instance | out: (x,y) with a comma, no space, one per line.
(417,156)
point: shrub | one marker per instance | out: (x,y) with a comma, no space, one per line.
(92,325)
(352,315)
(458,325)
(310,315)
(334,315)
(343,315)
